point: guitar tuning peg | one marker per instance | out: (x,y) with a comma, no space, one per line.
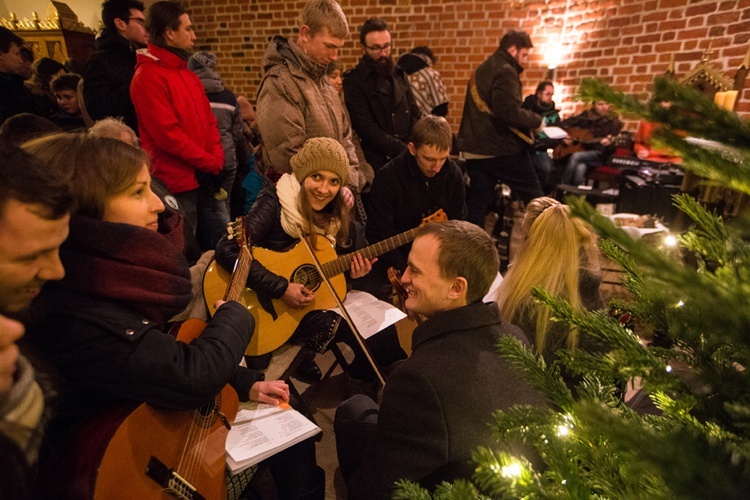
(230,236)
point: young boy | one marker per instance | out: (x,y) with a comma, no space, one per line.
(65,88)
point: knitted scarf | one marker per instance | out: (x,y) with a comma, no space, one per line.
(140,269)
(288,189)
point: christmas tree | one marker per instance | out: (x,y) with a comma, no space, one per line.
(697,296)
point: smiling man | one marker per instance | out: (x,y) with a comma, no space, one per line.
(34,214)
(295,101)
(410,187)
(438,404)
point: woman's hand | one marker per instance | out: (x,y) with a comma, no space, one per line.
(361,266)
(297,296)
(271,392)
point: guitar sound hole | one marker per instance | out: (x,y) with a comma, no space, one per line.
(306,275)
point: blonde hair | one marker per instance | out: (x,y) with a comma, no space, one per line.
(557,247)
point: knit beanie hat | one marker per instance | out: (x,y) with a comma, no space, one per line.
(201,60)
(321,153)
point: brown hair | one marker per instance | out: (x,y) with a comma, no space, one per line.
(432,130)
(336,210)
(95,168)
(466,251)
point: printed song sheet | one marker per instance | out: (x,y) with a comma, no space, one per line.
(369,314)
(261,430)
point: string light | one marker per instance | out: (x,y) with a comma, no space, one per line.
(512,470)
(563,430)
(670,241)
(669,368)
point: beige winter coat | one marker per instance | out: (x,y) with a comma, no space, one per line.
(296,102)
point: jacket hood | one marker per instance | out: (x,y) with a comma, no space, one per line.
(284,51)
(210,79)
(411,63)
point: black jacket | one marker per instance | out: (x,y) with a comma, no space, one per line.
(499,86)
(15,98)
(106,79)
(382,112)
(401,196)
(438,404)
(263,226)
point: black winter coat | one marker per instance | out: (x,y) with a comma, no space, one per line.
(430,418)
(401,196)
(382,112)
(106,79)
(15,98)
(263,226)
(499,86)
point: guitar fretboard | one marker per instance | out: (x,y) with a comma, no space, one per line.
(338,266)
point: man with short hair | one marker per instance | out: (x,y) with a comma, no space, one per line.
(295,101)
(15,98)
(34,214)
(65,88)
(379,98)
(109,71)
(495,129)
(600,126)
(177,127)
(438,404)
(412,186)
(541,103)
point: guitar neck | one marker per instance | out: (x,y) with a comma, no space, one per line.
(343,263)
(239,276)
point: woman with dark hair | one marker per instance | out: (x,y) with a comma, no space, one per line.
(104,325)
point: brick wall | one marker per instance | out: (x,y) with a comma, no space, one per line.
(625,42)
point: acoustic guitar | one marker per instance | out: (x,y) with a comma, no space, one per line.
(160,454)
(275,322)
(582,138)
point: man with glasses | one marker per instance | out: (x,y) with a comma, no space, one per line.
(295,100)
(378,97)
(107,75)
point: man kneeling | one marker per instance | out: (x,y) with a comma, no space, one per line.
(438,404)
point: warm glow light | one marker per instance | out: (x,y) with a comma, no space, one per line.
(670,241)
(553,55)
(669,368)
(680,304)
(511,471)
(563,430)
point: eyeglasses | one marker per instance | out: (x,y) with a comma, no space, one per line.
(139,20)
(377,49)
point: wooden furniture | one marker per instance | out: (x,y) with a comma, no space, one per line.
(59,36)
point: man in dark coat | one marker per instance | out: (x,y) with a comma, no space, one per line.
(431,419)
(378,97)
(15,98)
(107,75)
(495,130)
(409,188)
(542,104)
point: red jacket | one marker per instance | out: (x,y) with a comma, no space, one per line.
(175,121)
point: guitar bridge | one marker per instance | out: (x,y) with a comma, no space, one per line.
(171,481)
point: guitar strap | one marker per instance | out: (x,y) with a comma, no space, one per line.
(484,108)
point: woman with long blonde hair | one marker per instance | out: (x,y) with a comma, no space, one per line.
(560,256)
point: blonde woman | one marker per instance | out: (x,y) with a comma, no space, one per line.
(559,255)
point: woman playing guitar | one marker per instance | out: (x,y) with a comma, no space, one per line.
(307,203)
(103,327)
